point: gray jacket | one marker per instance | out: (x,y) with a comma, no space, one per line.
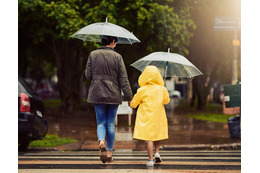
(107,72)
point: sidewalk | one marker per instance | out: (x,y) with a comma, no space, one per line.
(184,133)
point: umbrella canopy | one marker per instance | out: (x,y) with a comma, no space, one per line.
(95,31)
(169,64)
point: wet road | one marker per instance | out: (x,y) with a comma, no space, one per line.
(182,130)
(130,161)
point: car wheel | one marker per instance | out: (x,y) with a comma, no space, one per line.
(23,146)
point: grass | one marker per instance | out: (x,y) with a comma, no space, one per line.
(50,103)
(215,117)
(213,112)
(185,107)
(51,141)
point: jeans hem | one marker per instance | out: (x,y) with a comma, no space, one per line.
(101,139)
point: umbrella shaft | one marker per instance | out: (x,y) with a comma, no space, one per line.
(166,67)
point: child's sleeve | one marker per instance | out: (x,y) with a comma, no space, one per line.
(136,100)
(166,98)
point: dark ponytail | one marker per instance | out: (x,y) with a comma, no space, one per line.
(106,40)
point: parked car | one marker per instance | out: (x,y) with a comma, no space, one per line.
(31,122)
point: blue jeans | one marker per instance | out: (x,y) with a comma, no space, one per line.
(105,115)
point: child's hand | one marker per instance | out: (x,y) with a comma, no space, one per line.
(130,104)
(134,102)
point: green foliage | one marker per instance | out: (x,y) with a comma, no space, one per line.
(153,21)
(160,26)
(45,27)
(58,18)
(51,141)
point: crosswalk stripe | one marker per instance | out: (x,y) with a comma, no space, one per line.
(141,155)
(220,161)
(128,166)
(123,171)
(127,162)
(125,158)
(129,152)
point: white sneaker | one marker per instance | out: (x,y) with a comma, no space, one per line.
(157,158)
(150,163)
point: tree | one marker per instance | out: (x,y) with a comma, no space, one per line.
(44,30)
(45,27)
(210,50)
(158,24)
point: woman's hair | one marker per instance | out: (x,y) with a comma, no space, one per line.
(106,40)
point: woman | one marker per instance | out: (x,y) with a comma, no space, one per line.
(107,72)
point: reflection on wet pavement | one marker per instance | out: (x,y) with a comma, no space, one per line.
(182,129)
(124,134)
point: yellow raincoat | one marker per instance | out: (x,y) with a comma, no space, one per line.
(151,121)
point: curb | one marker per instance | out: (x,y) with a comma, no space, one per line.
(234,146)
(77,146)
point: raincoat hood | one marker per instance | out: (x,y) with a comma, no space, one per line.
(150,76)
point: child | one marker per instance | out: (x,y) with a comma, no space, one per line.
(151,121)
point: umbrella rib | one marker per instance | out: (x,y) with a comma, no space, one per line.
(95,31)
(126,37)
(188,71)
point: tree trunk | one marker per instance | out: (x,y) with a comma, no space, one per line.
(202,100)
(193,97)
(200,90)
(70,70)
(189,91)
